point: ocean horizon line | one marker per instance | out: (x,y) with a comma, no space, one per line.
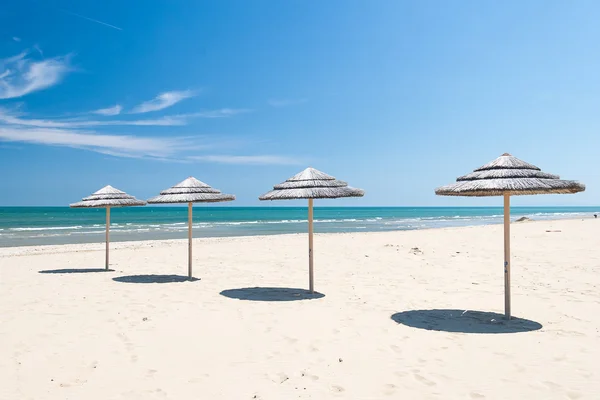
(317,205)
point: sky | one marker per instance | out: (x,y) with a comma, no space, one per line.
(394,97)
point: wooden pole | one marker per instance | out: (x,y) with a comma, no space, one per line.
(107,234)
(311,284)
(507,255)
(190,240)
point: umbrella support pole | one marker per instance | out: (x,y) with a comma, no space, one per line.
(107,235)
(507,255)
(311,284)
(190,240)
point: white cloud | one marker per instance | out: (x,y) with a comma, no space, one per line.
(124,145)
(16,119)
(20,76)
(16,39)
(162,101)
(252,160)
(169,120)
(285,102)
(110,111)
(221,113)
(169,149)
(38,49)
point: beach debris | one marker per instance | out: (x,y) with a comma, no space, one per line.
(340,360)
(145,319)
(523,219)
(415,251)
(554,230)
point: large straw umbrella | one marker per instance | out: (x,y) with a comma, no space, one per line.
(108,197)
(311,184)
(190,191)
(508,176)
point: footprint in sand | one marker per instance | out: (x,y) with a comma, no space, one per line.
(390,389)
(291,340)
(128,346)
(423,380)
(278,378)
(310,376)
(396,349)
(337,389)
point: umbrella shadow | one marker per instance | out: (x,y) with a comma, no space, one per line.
(464,321)
(154,279)
(271,294)
(74,270)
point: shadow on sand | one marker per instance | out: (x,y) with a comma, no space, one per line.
(154,279)
(465,321)
(270,294)
(75,270)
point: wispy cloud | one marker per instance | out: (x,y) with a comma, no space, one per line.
(221,113)
(38,49)
(12,118)
(124,145)
(20,75)
(162,101)
(247,160)
(285,102)
(94,20)
(167,149)
(110,111)
(16,39)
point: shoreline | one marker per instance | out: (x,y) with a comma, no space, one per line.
(145,243)
(47,226)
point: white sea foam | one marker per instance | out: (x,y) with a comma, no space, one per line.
(46,228)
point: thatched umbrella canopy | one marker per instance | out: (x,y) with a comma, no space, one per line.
(190,191)
(508,176)
(108,197)
(311,184)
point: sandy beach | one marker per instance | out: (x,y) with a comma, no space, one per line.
(391,323)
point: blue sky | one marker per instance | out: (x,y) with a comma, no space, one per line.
(395,97)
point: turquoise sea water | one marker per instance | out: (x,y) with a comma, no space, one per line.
(20,226)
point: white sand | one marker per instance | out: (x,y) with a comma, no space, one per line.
(86,336)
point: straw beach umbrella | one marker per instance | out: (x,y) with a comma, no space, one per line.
(311,184)
(108,197)
(508,176)
(190,191)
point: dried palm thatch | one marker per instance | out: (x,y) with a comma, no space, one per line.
(311,184)
(190,191)
(508,176)
(108,197)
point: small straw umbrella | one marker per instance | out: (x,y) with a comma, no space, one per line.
(311,184)
(108,197)
(508,176)
(190,191)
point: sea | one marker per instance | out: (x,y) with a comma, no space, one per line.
(27,226)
